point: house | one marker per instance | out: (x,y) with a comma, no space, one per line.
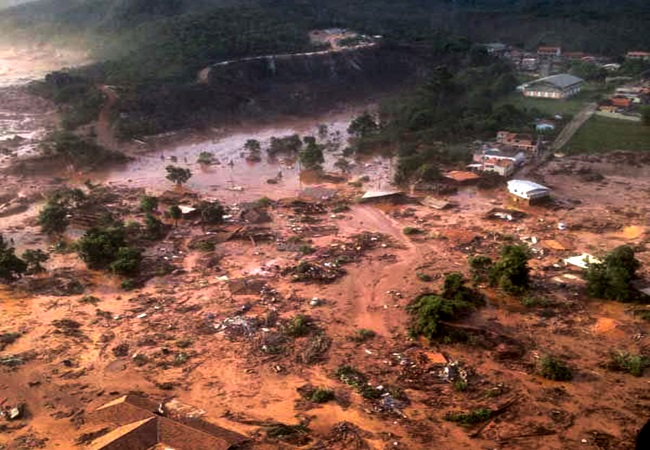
(636,55)
(522,141)
(513,155)
(529,63)
(549,51)
(461,176)
(555,86)
(607,106)
(528,190)
(503,167)
(146,425)
(575,56)
(380,196)
(621,102)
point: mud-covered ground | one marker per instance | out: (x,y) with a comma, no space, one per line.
(206,336)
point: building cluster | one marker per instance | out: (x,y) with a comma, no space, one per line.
(506,153)
(626,99)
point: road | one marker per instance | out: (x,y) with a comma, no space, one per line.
(570,129)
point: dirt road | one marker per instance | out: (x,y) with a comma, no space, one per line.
(570,129)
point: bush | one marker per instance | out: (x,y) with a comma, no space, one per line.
(11,266)
(455,301)
(554,369)
(89,300)
(148,203)
(410,231)
(205,158)
(183,343)
(128,284)
(127,261)
(322,395)
(298,326)
(424,277)
(363,335)
(626,362)
(306,249)
(469,418)
(532,301)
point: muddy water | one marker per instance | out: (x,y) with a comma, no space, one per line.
(234,179)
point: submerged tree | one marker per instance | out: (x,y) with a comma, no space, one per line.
(178,175)
(311,157)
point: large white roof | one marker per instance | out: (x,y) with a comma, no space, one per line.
(525,186)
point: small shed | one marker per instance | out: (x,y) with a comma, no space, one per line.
(528,190)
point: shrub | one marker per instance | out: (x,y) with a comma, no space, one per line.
(306,249)
(127,261)
(148,203)
(322,395)
(128,284)
(363,335)
(99,247)
(469,418)
(532,301)
(455,301)
(183,342)
(424,277)
(53,218)
(410,231)
(89,300)
(298,326)
(460,385)
(205,158)
(628,363)
(554,369)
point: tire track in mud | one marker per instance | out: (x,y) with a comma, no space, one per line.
(366,303)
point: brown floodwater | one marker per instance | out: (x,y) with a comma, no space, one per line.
(234,179)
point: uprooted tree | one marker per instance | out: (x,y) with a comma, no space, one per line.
(612,278)
(429,312)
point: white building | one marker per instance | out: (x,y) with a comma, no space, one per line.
(528,190)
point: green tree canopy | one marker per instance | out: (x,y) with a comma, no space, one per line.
(53,218)
(34,259)
(148,203)
(99,246)
(178,175)
(612,278)
(511,272)
(11,266)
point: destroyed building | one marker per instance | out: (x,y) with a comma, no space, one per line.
(141,424)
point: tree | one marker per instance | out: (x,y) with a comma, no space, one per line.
(511,272)
(211,212)
(34,259)
(175,213)
(254,149)
(429,311)
(311,157)
(99,247)
(11,266)
(53,218)
(205,158)
(343,165)
(479,268)
(148,203)
(363,125)
(612,278)
(178,175)
(154,227)
(127,261)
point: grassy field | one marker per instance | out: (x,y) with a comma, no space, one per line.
(550,107)
(601,134)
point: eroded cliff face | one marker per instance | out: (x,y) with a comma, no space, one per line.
(301,83)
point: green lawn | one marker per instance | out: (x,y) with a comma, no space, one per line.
(550,107)
(602,134)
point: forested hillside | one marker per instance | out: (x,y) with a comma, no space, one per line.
(153,51)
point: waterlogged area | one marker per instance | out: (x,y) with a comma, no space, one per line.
(232,178)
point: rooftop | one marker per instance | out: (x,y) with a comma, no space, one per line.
(562,80)
(525,186)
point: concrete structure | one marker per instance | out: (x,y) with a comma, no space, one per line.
(503,167)
(555,86)
(582,261)
(528,190)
